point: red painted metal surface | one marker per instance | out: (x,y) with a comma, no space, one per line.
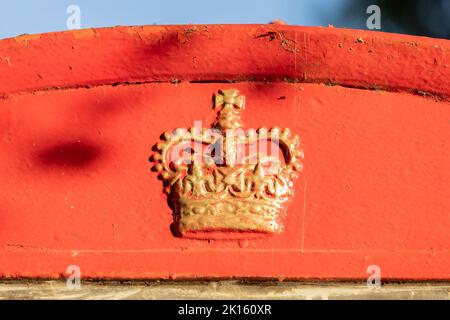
(81,110)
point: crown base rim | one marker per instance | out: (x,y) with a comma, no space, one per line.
(228,225)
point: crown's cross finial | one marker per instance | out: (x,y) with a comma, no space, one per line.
(231,103)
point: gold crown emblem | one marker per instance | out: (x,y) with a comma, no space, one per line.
(221,180)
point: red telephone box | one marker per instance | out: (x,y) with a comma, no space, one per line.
(80,112)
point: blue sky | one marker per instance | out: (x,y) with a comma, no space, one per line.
(37,16)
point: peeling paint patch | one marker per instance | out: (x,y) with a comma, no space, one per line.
(287,44)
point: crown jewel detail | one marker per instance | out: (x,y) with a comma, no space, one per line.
(232,186)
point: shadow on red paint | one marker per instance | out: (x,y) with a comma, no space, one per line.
(73,154)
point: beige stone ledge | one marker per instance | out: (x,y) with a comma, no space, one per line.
(203,290)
